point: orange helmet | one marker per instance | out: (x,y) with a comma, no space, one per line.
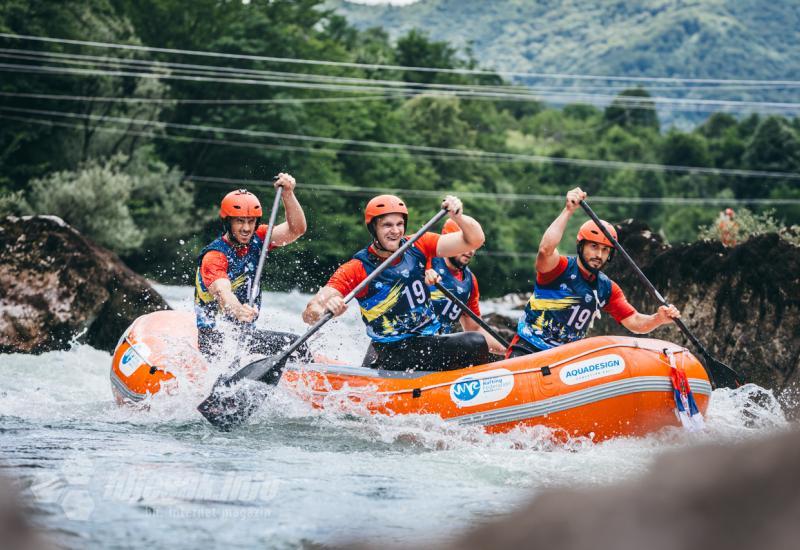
(450,227)
(240,203)
(590,232)
(384,204)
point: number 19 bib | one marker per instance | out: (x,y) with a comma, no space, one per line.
(397,304)
(561,311)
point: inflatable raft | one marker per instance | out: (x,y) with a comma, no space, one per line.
(598,387)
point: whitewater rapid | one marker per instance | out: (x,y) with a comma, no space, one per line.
(104,476)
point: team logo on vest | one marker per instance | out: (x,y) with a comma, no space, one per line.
(591,369)
(480,388)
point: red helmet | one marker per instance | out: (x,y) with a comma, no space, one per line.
(590,232)
(384,204)
(450,227)
(729,212)
(240,204)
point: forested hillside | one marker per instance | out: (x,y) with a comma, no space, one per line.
(699,38)
(135,146)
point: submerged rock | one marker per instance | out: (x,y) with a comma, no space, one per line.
(56,285)
(743,303)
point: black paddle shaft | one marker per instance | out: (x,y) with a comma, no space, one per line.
(256,288)
(264,367)
(721,374)
(226,411)
(465,308)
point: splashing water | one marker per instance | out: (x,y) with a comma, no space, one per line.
(98,473)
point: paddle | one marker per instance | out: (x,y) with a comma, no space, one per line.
(256,288)
(252,293)
(226,409)
(465,308)
(721,374)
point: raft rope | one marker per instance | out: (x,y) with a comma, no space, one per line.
(546,368)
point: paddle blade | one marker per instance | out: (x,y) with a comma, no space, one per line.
(233,400)
(722,375)
(229,407)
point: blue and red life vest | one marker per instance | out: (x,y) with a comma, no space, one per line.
(447,312)
(397,304)
(241,271)
(561,311)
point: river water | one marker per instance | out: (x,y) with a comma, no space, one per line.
(101,476)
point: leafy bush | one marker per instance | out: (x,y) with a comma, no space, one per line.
(94,200)
(747,224)
(122,203)
(13,204)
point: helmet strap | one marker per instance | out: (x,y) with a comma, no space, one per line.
(585,264)
(228,232)
(376,244)
(458,265)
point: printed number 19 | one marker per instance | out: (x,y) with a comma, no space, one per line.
(582,317)
(455,311)
(418,298)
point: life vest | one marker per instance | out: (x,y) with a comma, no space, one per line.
(241,271)
(562,310)
(446,311)
(397,304)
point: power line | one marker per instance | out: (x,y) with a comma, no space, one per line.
(106,99)
(254,145)
(591,163)
(59,57)
(375,66)
(512,197)
(471,92)
(721,201)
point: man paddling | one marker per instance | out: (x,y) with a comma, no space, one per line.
(570,292)
(396,306)
(226,270)
(454,275)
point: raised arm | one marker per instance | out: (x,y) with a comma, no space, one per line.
(547,257)
(469,238)
(295,225)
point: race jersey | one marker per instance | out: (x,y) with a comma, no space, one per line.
(464,288)
(564,303)
(396,305)
(221,259)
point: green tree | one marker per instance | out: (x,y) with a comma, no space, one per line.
(632,108)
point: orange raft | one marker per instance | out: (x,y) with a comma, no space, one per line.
(598,387)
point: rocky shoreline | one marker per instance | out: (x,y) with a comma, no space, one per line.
(743,302)
(57,287)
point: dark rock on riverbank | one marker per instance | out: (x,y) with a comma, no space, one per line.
(742,302)
(56,286)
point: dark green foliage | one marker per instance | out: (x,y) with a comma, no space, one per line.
(172,219)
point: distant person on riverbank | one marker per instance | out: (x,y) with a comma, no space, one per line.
(396,307)
(728,228)
(571,291)
(226,270)
(455,276)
